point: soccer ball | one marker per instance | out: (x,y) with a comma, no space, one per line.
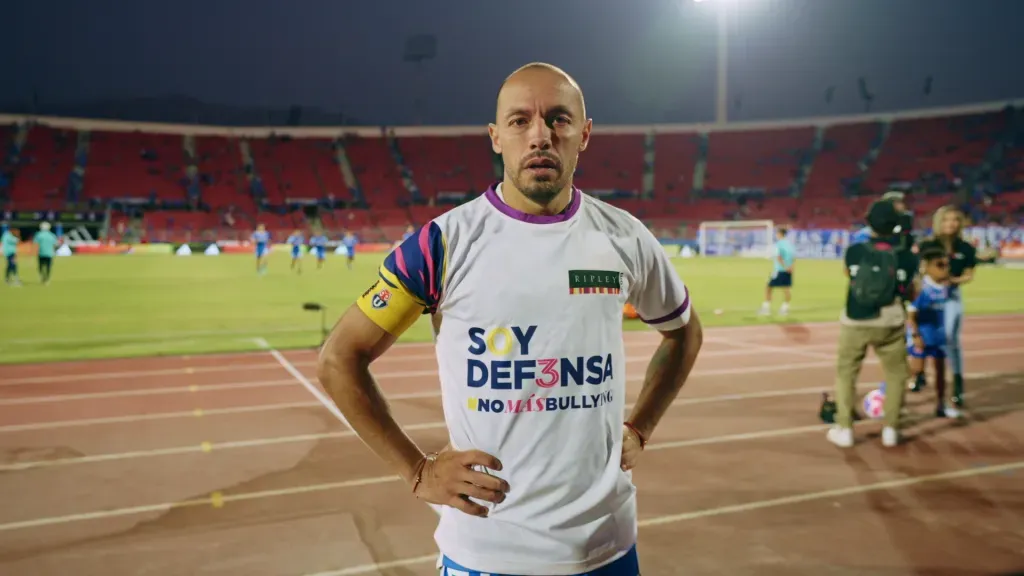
(874,403)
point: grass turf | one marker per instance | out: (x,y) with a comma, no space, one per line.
(120,306)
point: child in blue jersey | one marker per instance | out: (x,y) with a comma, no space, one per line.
(296,240)
(318,243)
(782,273)
(926,327)
(350,241)
(261,239)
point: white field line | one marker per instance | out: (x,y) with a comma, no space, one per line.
(208,447)
(222,499)
(375,568)
(249,334)
(290,405)
(740,348)
(316,392)
(219,500)
(217,446)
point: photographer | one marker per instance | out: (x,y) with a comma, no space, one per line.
(882,275)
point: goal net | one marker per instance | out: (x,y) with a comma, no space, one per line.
(746,238)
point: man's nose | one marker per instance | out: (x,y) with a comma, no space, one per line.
(540,135)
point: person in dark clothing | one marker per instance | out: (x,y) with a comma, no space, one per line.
(881,278)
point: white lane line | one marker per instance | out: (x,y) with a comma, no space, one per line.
(208,447)
(835,493)
(383,376)
(375,568)
(749,347)
(216,446)
(145,392)
(315,391)
(248,334)
(308,488)
(312,388)
(373,481)
(378,566)
(393,357)
(695,374)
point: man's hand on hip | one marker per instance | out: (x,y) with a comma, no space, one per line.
(449,480)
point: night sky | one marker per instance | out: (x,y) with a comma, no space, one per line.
(642,61)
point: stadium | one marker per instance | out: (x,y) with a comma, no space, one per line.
(161,409)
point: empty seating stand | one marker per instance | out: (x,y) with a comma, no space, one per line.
(695,175)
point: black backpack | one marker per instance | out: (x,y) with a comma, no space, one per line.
(874,285)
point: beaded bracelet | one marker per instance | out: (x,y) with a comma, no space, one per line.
(639,436)
(419,469)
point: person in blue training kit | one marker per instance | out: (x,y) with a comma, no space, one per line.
(261,239)
(318,242)
(350,241)
(296,240)
(9,241)
(926,328)
(947,227)
(46,242)
(782,272)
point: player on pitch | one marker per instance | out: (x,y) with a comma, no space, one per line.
(525,286)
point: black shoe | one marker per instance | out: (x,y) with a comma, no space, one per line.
(919,383)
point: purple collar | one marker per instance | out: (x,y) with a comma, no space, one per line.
(564,215)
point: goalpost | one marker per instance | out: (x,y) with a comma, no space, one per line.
(745,238)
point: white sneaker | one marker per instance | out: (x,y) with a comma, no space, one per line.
(890,437)
(764,311)
(784,310)
(950,412)
(842,437)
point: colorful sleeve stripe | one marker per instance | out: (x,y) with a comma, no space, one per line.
(418,263)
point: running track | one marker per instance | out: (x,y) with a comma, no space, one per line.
(228,464)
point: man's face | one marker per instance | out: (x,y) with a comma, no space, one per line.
(540,129)
(900,205)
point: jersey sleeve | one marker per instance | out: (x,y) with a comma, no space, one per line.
(659,297)
(921,302)
(409,282)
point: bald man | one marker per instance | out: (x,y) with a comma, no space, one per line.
(525,287)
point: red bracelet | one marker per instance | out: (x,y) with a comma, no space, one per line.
(639,436)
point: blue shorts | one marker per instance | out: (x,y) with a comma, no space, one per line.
(12,259)
(296,252)
(938,352)
(781,280)
(628,565)
(319,251)
(261,250)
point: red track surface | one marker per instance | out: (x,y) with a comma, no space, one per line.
(226,464)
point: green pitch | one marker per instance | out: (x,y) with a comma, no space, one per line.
(117,306)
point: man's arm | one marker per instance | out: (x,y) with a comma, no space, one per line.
(409,283)
(344,371)
(663,301)
(667,372)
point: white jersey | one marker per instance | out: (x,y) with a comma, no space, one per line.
(528,328)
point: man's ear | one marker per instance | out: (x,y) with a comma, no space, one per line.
(492,131)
